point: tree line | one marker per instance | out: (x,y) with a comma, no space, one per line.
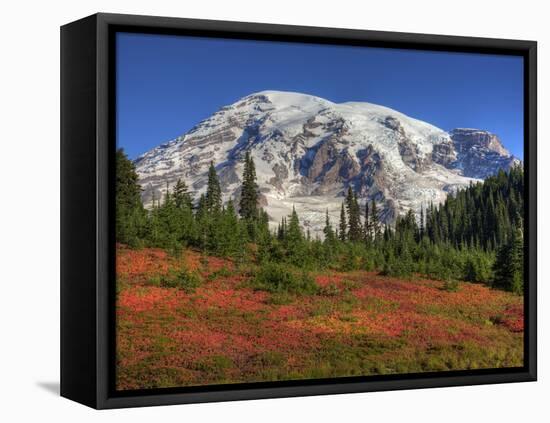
(475,235)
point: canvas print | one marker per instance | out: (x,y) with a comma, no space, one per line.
(292,211)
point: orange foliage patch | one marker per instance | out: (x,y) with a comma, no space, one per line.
(140,263)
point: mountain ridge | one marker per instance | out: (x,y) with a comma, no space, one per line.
(308,150)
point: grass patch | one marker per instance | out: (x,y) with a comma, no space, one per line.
(224,272)
(180,279)
(348,318)
(215,366)
(323,308)
(270,358)
(330,290)
(121,283)
(450,285)
(349,285)
(281,298)
(278,278)
(326,306)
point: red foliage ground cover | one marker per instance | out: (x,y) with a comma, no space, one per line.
(359,323)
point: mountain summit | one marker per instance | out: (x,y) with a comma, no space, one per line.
(308,150)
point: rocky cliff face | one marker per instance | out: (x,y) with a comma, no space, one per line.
(308,150)
(479,153)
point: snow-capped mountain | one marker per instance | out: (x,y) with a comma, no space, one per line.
(308,150)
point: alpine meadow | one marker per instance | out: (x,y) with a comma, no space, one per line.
(285,236)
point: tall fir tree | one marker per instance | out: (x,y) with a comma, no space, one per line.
(327,230)
(342,230)
(213,191)
(374,221)
(354,219)
(248,205)
(281,233)
(295,243)
(367,229)
(421,230)
(181,196)
(509,264)
(226,232)
(128,190)
(130,216)
(167,196)
(294,231)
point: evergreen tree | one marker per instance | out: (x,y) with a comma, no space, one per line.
(153,198)
(367,226)
(354,220)
(213,191)
(294,231)
(343,224)
(167,196)
(249,191)
(181,196)
(166,225)
(128,191)
(226,232)
(375,224)
(202,209)
(295,242)
(422,229)
(130,216)
(281,232)
(387,235)
(202,217)
(328,231)
(509,264)
(263,225)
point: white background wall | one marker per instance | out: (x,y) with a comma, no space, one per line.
(29,207)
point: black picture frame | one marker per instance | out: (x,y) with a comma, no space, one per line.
(87,235)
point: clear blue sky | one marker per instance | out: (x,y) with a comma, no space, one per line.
(167,84)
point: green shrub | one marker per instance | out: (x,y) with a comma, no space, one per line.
(281,298)
(349,285)
(450,285)
(435,269)
(216,364)
(155,280)
(204,262)
(397,268)
(368,264)
(478,268)
(121,284)
(181,279)
(350,262)
(223,272)
(275,278)
(330,290)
